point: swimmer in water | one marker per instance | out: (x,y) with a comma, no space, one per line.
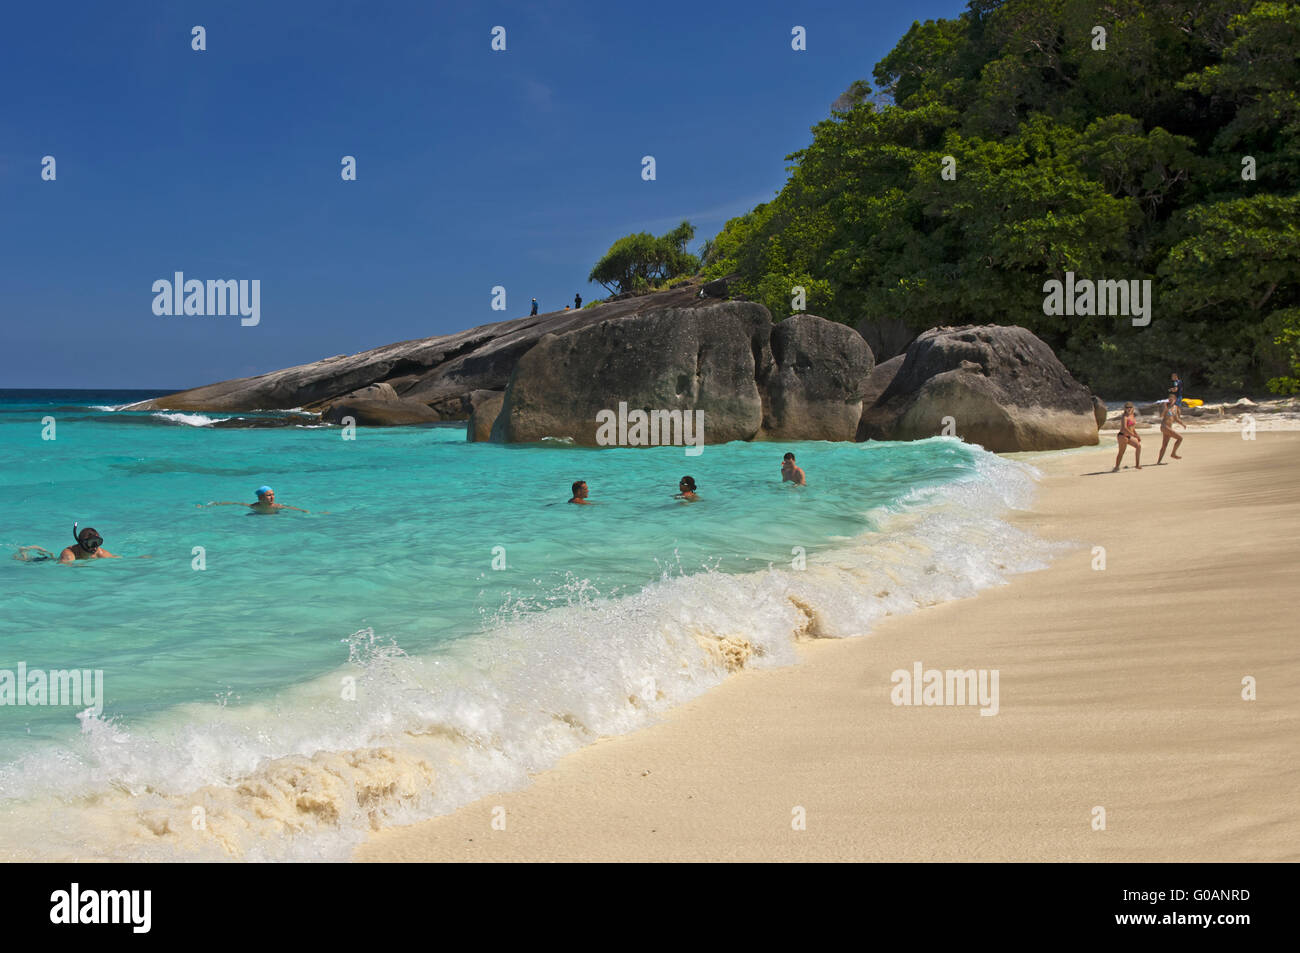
(265,503)
(580,494)
(791,472)
(89,545)
(687,487)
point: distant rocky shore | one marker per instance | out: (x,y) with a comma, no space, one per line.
(685,350)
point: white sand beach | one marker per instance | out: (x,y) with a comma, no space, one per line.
(1120,688)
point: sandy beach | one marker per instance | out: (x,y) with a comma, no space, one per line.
(1120,688)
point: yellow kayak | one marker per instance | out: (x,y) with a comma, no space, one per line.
(1192,402)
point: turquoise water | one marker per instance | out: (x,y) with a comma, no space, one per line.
(601,617)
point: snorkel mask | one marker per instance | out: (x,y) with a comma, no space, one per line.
(88,539)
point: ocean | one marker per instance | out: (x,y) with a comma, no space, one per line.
(438,627)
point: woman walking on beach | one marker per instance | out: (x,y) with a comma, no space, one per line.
(1169,416)
(1128,436)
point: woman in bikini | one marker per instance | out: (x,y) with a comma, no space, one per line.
(1128,437)
(1169,416)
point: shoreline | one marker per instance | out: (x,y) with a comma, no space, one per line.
(1140,714)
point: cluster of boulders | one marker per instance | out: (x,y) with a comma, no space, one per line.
(690,349)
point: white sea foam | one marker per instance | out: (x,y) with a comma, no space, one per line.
(306,775)
(191,420)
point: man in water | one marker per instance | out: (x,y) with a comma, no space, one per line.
(265,503)
(580,494)
(791,472)
(89,545)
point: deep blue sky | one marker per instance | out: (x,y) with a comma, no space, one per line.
(475,168)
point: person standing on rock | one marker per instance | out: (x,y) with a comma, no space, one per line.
(534,311)
(1169,416)
(577,302)
(580,494)
(791,472)
(1128,436)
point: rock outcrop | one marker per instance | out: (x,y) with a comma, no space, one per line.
(815,385)
(367,412)
(801,379)
(487,408)
(1002,387)
(441,372)
(684,359)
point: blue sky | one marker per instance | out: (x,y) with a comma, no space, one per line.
(474,168)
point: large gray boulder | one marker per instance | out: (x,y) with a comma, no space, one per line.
(814,388)
(366,412)
(687,359)
(1002,387)
(487,408)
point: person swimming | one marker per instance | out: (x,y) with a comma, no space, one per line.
(687,487)
(265,503)
(1128,436)
(89,545)
(580,494)
(1169,416)
(791,472)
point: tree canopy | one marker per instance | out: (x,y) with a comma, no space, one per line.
(635,261)
(1125,162)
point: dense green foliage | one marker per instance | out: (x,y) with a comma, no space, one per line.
(1122,163)
(636,262)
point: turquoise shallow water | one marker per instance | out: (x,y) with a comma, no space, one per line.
(217,674)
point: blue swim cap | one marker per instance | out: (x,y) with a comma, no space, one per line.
(263,490)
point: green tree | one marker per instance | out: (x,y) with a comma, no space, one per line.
(1121,163)
(635,261)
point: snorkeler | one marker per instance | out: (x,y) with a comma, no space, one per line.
(89,545)
(265,503)
(580,494)
(687,487)
(791,472)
